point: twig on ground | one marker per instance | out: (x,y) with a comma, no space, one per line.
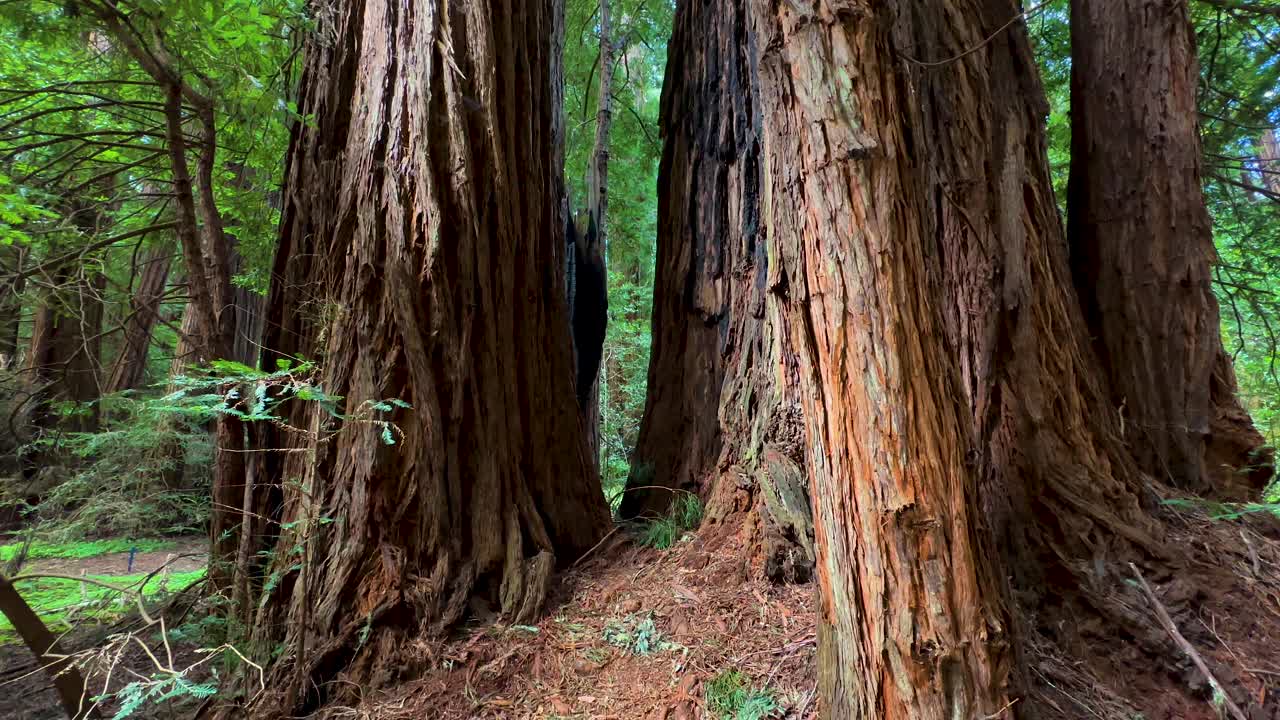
(595,547)
(1167,622)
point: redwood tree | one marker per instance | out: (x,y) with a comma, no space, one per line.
(973,489)
(722,417)
(421,260)
(1142,248)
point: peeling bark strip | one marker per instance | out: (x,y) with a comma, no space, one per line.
(722,416)
(1142,243)
(420,259)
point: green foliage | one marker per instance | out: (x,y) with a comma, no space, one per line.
(120,480)
(686,511)
(637,634)
(664,532)
(660,534)
(730,696)
(160,688)
(209,630)
(83,548)
(61,603)
(1227,511)
(641,27)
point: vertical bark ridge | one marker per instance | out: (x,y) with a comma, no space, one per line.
(915,622)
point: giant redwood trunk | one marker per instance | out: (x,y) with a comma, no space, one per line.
(420,260)
(915,617)
(722,417)
(1142,244)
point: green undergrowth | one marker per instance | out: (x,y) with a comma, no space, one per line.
(637,634)
(730,696)
(1228,511)
(664,532)
(82,548)
(62,603)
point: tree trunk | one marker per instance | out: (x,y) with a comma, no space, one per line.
(915,620)
(596,255)
(419,259)
(1269,161)
(67,680)
(11,288)
(859,238)
(65,356)
(1142,249)
(722,416)
(130,366)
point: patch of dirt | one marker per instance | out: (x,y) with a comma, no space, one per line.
(704,597)
(187,554)
(1223,599)
(112,664)
(710,614)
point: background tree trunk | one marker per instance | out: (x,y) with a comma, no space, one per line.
(130,366)
(1269,162)
(419,260)
(722,416)
(65,356)
(11,288)
(1142,249)
(598,206)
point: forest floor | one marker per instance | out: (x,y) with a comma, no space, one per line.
(694,633)
(85,618)
(632,633)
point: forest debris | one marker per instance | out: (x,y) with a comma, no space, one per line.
(1167,622)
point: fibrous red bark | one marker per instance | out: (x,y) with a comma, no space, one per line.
(1142,246)
(420,260)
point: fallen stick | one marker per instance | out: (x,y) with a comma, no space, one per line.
(1169,627)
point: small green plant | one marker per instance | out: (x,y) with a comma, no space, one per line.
(637,634)
(163,689)
(730,696)
(664,532)
(1224,511)
(205,631)
(687,511)
(660,534)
